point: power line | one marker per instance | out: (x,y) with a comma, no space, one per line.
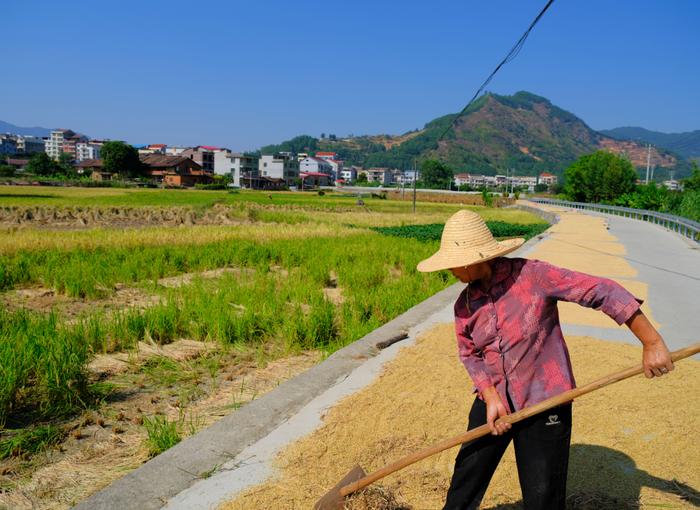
(514,51)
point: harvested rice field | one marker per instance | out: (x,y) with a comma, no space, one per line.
(130,319)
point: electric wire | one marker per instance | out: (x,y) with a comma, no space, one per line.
(512,54)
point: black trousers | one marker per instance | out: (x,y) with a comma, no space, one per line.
(541,453)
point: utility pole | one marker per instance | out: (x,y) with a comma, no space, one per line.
(415,178)
(648,163)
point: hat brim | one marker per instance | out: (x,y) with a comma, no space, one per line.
(443,260)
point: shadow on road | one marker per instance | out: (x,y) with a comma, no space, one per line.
(601,478)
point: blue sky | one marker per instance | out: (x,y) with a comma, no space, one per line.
(244,74)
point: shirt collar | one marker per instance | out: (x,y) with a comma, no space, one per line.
(500,270)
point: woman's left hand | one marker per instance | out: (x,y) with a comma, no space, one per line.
(656,359)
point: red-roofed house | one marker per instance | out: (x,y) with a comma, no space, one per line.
(327,155)
(315,165)
(547,178)
(314,179)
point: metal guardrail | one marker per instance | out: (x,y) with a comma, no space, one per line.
(684,226)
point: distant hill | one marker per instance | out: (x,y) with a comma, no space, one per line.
(6,127)
(685,144)
(523,132)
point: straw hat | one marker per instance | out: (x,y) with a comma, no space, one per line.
(466,240)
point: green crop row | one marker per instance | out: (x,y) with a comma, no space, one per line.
(277,296)
(433,231)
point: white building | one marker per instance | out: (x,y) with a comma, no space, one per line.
(547,178)
(279,166)
(381,175)
(349,174)
(244,169)
(175,151)
(54,143)
(87,150)
(222,162)
(316,165)
(672,184)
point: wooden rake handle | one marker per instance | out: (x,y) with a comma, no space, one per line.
(483,430)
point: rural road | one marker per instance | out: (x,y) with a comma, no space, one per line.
(666,263)
(654,264)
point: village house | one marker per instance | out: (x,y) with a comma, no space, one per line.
(93,167)
(348,174)
(279,166)
(202,155)
(244,168)
(175,170)
(313,164)
(381,175)
(314,179)
(548,179)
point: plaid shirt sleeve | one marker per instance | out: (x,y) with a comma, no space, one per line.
(587,290)
(472,358)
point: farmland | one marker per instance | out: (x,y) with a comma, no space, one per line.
(132,318)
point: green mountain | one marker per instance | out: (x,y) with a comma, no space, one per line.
(685,144)
(523,132)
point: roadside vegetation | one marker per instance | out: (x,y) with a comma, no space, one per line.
(603,177)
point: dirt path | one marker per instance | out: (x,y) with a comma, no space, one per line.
(633,443)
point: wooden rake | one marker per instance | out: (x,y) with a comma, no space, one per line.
(357,479)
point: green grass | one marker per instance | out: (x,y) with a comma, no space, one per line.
(29,441)
(42,365)
(162,434)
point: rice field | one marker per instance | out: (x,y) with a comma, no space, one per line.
(284,275)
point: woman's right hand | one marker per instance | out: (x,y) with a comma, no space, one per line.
(495,409)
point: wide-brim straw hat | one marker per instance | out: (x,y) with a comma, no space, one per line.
(466,240)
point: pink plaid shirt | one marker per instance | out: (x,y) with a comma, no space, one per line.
(509,335)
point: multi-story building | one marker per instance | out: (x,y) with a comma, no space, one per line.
(349,174)
(29,144)
(63,140)
(316,165)
(202,155)
(87,150)
(244,170)
(279,166)
(8,144)
(381,175)
(223,162)
(548,179)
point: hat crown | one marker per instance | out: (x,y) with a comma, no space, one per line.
(465,230)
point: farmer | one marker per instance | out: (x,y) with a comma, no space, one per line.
(510,341)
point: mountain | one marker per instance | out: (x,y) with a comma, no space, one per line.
(6,127)
(685,144)
(523,132)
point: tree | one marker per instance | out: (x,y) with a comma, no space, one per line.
(599,177)
(122,159)
(692,183)
(64,166)
(361,177)
(41,164)
(436,174)
(6,170)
